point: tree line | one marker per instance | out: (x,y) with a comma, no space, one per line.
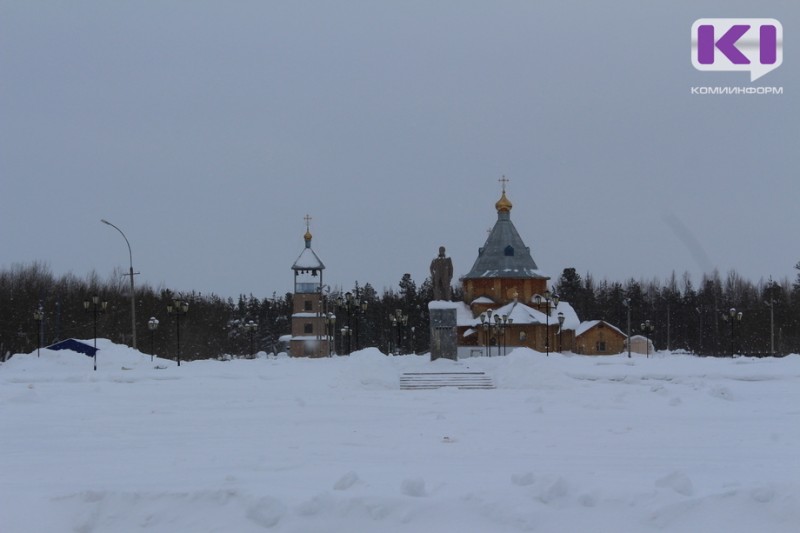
(685,317)
(721,316)
(213,327)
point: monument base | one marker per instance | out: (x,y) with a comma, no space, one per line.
(443,330)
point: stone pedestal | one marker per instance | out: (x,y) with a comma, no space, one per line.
(443,330)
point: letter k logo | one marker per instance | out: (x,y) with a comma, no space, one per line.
(726,44)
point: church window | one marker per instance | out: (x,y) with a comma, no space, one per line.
(308,327)
(509,251)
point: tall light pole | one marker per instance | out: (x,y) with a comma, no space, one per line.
(131,274)
(627,302)
(771,304)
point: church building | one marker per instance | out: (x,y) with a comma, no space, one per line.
(507,302)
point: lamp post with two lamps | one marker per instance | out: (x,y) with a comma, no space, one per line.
(547,299)
(250,327)
(733,316)
(501,323)
(178,308)
(398,320)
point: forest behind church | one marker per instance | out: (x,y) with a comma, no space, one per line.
(687,317)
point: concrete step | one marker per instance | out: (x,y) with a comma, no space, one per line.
(438,380)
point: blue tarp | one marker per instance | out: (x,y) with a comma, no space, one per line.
(75,346)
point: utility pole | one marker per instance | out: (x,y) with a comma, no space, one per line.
(131,274)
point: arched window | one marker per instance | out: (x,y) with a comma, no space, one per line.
(509,251)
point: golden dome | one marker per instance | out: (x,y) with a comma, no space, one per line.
(307,236)
(503,205)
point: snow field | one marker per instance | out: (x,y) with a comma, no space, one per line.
(565,443)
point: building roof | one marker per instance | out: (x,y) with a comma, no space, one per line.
(589,324)
(504,254)
(308,260)
(75,346)
(523,314)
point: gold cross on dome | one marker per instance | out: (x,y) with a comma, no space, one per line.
(503,181)
(308,221)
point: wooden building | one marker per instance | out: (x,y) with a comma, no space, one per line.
(598,337)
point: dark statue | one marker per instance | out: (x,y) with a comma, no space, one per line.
(441,274)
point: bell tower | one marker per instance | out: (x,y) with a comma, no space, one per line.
(309,335)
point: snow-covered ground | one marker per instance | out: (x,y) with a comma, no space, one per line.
(564,443)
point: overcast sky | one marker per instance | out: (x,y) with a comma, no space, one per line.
(207,130)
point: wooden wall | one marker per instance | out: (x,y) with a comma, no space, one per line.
(590,342)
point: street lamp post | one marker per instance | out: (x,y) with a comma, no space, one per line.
(771,304)
(361,311)
(251,327)
(178,308)
(733,317)
(131,274)
(486,324)
(95,303)
(346,331)
(647,328)
(355,307)
(349,304)
(402,322)
(502,323)
(548,298)
(627,303)
(38,316)
(330,330)
(152,325)
(398,320)
(561,319)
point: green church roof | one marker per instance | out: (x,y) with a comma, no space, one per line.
(504,255)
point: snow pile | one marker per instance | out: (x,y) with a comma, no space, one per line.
(564,443)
